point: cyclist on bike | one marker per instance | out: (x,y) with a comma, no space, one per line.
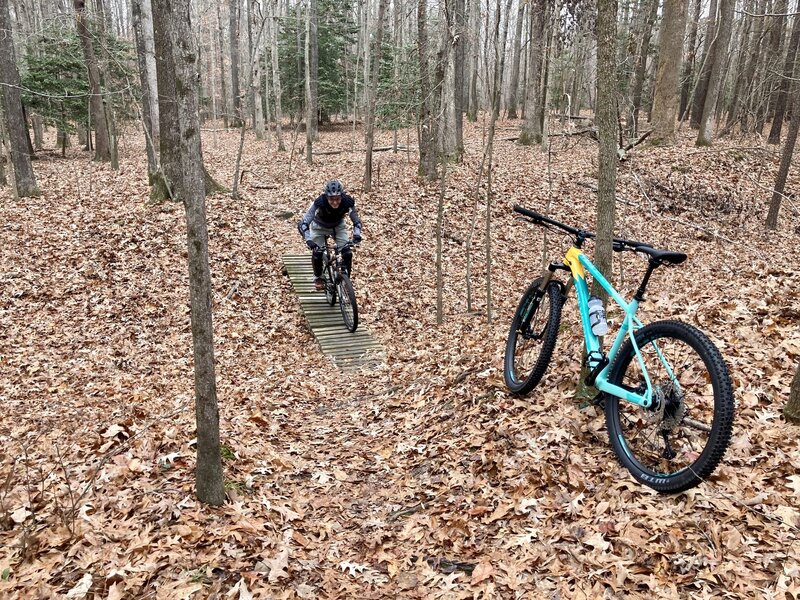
(324,217)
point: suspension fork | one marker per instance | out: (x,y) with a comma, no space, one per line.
(547,276)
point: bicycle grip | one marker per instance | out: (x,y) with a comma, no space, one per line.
(527,212)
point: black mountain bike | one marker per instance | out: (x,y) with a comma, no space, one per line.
(337,283)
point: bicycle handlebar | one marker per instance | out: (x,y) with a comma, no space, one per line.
(618,244)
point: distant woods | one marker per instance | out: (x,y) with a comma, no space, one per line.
(87,68)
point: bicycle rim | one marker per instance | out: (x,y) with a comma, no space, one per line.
(347,303)
(678,443)
(330,288)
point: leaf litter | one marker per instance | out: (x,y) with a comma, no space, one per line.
(420,477)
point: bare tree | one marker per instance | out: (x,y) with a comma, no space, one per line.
(143,33)
(513,88)
(785,84)
(688,63)
(666,95)
(716,81)
(14,123)
(786,158)
(102,145)
(233,32)
(272,34)
(182,163)
(372,93)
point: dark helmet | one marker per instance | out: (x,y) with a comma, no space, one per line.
(334,187)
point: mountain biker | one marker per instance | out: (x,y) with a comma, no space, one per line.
(324,217)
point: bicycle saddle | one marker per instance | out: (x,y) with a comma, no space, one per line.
(663,256)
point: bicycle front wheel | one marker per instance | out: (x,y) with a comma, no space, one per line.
(330,287)
(532,337)
(681,439)
(347,303)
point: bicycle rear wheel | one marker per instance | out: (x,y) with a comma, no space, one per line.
(677,443)
(347,302)
(532,337)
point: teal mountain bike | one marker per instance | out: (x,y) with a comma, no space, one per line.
(667,391)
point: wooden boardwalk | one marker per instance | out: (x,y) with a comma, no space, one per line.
(347,350)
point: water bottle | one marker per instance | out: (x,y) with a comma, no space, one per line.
(597,316)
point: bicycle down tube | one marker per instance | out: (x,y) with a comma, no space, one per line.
(579,264)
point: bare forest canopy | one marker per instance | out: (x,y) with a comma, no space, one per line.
(141,137)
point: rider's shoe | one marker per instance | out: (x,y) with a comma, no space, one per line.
(319,284)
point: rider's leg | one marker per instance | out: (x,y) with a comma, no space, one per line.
(318,235)
(341,240)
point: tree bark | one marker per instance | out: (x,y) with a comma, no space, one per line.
(459,57)
(427,150)
(276,74)
(314,65)
(666,96)
(640,66)
(102,144)
(716,81)
(182,163)
(786,158)
(234,45)
(688,64)
(149,95)
(786,80)
(532,127)
(223,85)
(514,83)
(310,116)
(607,133)
(15,126)
(475,44)
(703,75)
(373,93)
(792,409)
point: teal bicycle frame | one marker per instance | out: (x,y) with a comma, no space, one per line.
(579,265)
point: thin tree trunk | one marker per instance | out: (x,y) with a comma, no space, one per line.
(137,7)
(716,82)
(234,45)
(373,94)
(786,158)
(459,56)
(640,67)
(786,80)
(223,84)
(475,41)
(439,232)
(701,86)
(309,92)
(688,65)
(182,163)
(514,84)
(105,78)
(15,126)
(532,127)
(102,144)
(276,74)
(314,65)
(427,158)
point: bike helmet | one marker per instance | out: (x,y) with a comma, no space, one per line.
(334,187)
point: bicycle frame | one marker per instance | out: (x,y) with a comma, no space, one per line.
(579,265)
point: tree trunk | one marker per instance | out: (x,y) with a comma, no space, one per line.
(102,144)
(607,133)
(786,158)
(309,91)
(234,45)
(640,67)
(514,84)
(427,150)
(105,78)
(138,8)
(688,65)
(459,56)
(223,84)
(532,127)
(182,163)
(792,409)
(716,81)
(314,66)
(751,51)
(475,41)
(377,36)
(703,75)
(276,74)
(774,62)
(16,128)
(256,53)
(786,80)
(665,101)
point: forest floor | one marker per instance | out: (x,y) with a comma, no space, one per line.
(421,477)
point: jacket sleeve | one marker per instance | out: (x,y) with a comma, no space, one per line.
(356,220)
(305,222)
